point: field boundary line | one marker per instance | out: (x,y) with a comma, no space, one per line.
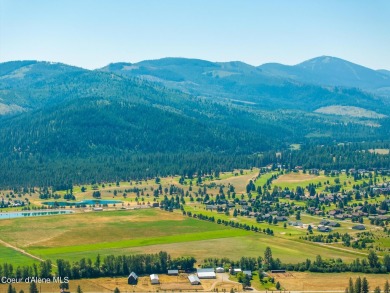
(6,244)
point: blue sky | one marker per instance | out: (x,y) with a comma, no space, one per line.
(93,33)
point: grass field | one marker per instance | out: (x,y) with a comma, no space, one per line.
(120,232)
(87,234)
(293,180)
(296,281)
(16,258)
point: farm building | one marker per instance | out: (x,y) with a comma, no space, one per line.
(278,271)
(154,279)
(194,280)
(132,279)
(359,227)
(248,273)
(220,270)
(236,271)
(173,272)
(206,273)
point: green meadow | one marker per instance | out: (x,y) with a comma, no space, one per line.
(79,235)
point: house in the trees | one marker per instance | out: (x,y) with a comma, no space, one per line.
(359,227)
(154,279)
(194,280)
(248,273)
(220,270)
(321,228)
(132,279)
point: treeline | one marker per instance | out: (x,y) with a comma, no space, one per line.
(112,266)
(230,223)
(362,286)
(122,166)
(370,265)
(64,170)
(108,266)
(337,157)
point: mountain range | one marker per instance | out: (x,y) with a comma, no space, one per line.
(53,114)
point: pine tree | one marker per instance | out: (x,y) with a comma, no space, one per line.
(9,288)
(33,288)
(386,289)
(358,285)
(365,286)
(351,288)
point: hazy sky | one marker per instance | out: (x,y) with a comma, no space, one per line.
(93,33)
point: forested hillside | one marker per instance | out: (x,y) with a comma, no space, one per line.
(62,123)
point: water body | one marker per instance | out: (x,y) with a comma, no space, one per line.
(82,203)
(12,215)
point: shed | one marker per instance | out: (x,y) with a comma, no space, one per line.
(236,271)
(132,279)
(173,272)
(207,275)
(205,270)
(154,279)
(194,280)
(248,273)
(220,270)
(278,271)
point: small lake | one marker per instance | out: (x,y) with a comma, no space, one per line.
(23,214)
(82,203)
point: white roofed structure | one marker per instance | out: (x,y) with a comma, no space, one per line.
(154,279)
(194,280)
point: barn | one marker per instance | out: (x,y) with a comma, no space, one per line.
(154,279)
(220,270)
(194,280)
(132,279)
(206,273)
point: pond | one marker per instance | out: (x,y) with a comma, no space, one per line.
(82,203)
(12,215)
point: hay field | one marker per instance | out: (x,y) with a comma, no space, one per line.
(295,281)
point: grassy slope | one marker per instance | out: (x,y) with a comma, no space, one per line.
(14,257)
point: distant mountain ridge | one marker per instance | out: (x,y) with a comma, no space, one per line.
(269,86)
(177,115)
(332,71)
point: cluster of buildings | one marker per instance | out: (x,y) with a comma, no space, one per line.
(194,279)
